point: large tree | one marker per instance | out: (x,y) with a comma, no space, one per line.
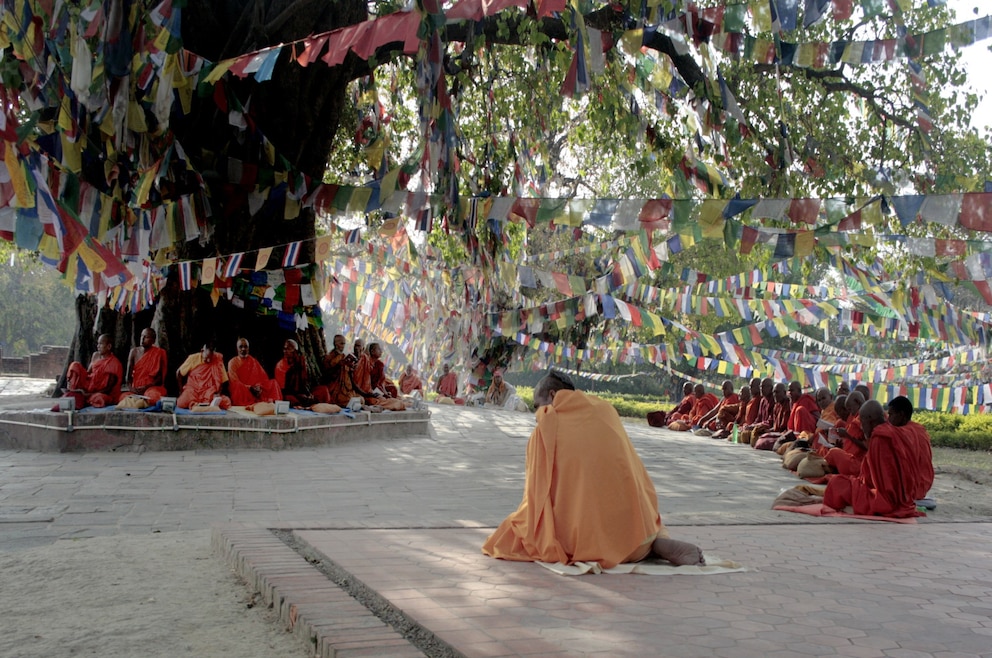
(477,109)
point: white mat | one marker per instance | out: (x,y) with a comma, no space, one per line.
(647,568)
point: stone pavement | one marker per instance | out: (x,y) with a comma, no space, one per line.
(402,520)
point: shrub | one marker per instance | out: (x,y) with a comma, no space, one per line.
(972,432)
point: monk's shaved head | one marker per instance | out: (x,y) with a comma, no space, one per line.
(871,416)
(745,393)
(553,382)
(840,406)
(854,402)
(823,398)
(900,411)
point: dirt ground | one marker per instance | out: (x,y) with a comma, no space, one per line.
(155,596)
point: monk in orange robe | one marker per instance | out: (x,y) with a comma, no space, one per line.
(202,379)
(587,496)
(890,477)
(447,385)
(377,376)
(147,368)
(248,380)
(762,419)
(410,382)
(682,409)
(711,420)
(291,376)
(331,365)
(361,376)
(840,416)
(739,412)
(900,415)
(804,412)
(703,404)
(779,422)
(847,459)
(100,384)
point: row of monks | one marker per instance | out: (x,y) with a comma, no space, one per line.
(875,463)
(204,380)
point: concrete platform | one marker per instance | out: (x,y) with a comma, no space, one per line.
(48,431)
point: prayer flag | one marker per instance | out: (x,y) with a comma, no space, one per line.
(262,260)
(186,275)
(209,271)
(233,265)
(291,255)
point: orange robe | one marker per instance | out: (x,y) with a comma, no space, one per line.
(245,372)
(361,376)
(890,477)
(410,383)
(94,382)
(146,373)
(682,409)
(923,466)
(380,381)
(727,411)
(333,372)
(587,496)
(751,413)
(804,414)
(203,381)
(448,385)
(847,460)
(703,406)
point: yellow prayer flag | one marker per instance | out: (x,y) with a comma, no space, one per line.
(291,210)
(322,248)
(263,258)
(219,71)
(209,271)
(804,243)
(631,42)
(872,213)
(17,179)
(711,219)
(136,118)
(71,154)
(761,14)
(359,199)
(92,259)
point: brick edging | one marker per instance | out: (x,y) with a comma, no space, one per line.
(307,602)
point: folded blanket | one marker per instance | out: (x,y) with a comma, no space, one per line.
(819,509)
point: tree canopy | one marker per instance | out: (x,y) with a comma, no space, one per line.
(541,180)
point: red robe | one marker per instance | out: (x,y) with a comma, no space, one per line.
(95,382)
(379,379)
(923,468)
(804,414)
(847,460)
(203,381)
(410,383)
(727,411)
(890,477)
(751,412)
(295,387)
(361,376)
(683,408)
(703,406)
(245,372)
(448,385)
(148,374)
(780,416)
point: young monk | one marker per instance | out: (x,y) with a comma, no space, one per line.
(780,420)
(847,458)
(901,417)
(684,407)
(763,417)
(147,367)
(100,384)
(202,378)
(895,467)
(587,496)
(377,375)
(291,375)
(711,420)
(248,380)
(703,404)
(805,411)
(738,419)
(410,382)
(447,385)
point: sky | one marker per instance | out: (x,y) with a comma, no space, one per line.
(978,61)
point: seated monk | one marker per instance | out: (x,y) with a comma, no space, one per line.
(734,415)
(100,384)
(362,381)
(498,392)
(763,416)
(840,416)
(378,373)
(331,365)
(587,496)
(805,410)
(710,420)
(410,382)
(248,380)
(291,376)
(894,469)
(147,367)
(202,379)
(847,458)
(901,415)
(779,423)
(681,410)
(703,403)
(447,385)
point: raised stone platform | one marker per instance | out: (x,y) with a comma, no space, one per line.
(113,430)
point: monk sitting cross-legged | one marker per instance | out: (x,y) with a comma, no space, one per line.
(733,416)
(291,375)
(248,380)
(447,385)
(895,469)
(703,404)
(377,376)
(726,408)
(762,420)
(203,379)
(901,415)
(410,382)
(662,419)
(147,367)
(587,496)
(100,384)
(847,459)
(780,420)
